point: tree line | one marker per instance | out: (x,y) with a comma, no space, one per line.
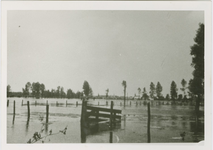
(155,92)
(38,90)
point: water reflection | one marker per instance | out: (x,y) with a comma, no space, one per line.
(27,127)
(197,127)
(96,128)
(124,121)
(46,128)
(83,133)
(13,118)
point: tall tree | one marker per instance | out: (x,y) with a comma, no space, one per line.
(107,91)
(90,92)
(26,90)
(167,97)
(58,91)
(79,94)
(124,85)
(180,97)
(86,88)
(62,93)
(152,90)
(53,93)
(173,90)
(37,89)
(183,83)
(33,89)
(69,93)
(42,89)
(47,94)
(159,89)
(196,85)
(139,92)
(144,94)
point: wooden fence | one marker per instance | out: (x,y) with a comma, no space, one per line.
(115,103)
(91,114)
(28,111)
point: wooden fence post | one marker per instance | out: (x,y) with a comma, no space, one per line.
(35,103)
(7,103)
(56,103)
(76,103)
(111,119)
(28,111)
(66,103)
(148,124)
(47,113)
(22,103)
(14,110)
(130,103)
(83,110)
(83,121)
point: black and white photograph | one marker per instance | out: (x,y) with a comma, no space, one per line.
(105,76)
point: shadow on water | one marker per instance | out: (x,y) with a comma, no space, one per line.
(97,128)
(124,121)
(27,128)
(46,128)
(13,119)
(84,131)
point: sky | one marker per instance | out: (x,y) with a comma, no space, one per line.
(65,48)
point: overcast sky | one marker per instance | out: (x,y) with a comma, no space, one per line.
(64,48)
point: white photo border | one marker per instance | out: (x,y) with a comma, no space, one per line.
(110,5)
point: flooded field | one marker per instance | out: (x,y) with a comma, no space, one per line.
(167,122)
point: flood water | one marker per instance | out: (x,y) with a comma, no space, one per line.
(167,122)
